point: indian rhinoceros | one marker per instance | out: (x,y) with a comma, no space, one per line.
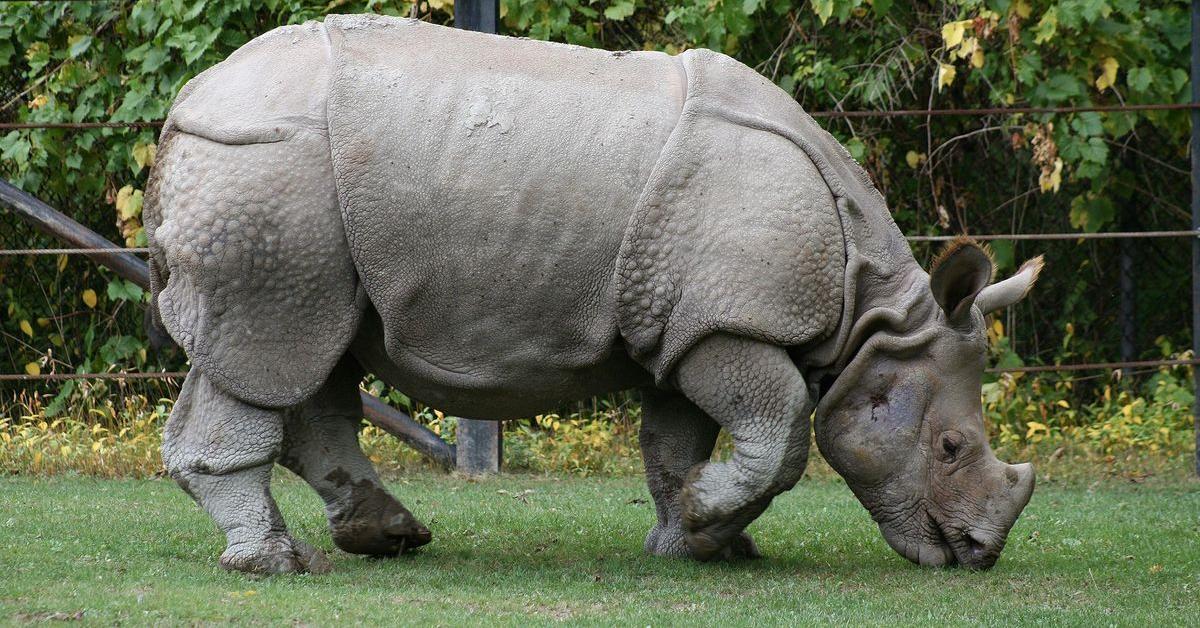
(496,226)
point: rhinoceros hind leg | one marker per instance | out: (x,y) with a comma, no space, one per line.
(321,446)
(757,394)
(221,451)
(675,436)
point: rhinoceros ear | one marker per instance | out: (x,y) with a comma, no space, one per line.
(958,275)
(1004,293)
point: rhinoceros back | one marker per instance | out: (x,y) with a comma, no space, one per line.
(250,270)
(486,184)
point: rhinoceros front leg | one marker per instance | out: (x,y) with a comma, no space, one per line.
(757,394)
(221,451)
(675,436)
(321,446)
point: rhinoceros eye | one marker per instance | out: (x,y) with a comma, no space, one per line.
(952,443)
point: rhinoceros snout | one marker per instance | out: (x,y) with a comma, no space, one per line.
(971,538)
(980,547)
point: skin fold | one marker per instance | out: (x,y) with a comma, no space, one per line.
(499,226)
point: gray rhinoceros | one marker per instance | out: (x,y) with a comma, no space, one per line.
(496,226)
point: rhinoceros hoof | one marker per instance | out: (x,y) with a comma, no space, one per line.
(275,556)
(672,541)
(390,536)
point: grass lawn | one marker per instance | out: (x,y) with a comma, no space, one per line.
(522,549)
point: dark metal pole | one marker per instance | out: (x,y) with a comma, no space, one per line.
(51,222)
(1127,283)
(129,266)
(480,443)
(477,15)
(1196,220)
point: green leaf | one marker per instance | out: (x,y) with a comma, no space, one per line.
(1139,79)
(1088,124)
(857,149)
(619,10)
(1059,87)
(750,6)
(1090,213)
(154,59)
(122,290)
(823,9)
(78,45)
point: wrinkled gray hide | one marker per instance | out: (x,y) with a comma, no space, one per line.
(497,226)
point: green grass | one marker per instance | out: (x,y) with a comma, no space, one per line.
(520,550)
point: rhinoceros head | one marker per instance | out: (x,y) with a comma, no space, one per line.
(903,422)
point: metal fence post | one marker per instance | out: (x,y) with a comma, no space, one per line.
(1196,219)
(480,443)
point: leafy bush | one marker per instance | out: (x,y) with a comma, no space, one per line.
(125,61)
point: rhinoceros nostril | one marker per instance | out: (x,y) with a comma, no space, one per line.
(1012,476)
(977,549)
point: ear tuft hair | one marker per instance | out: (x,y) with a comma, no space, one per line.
(958,243)
(1034,265)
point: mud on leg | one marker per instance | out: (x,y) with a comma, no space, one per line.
(321,446)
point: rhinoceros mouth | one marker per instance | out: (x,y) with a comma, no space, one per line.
(972,549)
(942,545)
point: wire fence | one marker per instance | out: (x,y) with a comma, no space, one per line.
(1106,235)
(970,112)
(893,113)
(1047,368)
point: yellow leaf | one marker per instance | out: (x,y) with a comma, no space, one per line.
(998,327)
(1046,27)
(66,450)
(43,322)
(977,58)
(62,262)
(945,76)
(129,202)
(952,33)
(913,159)
(39,101)
(968,47)
(33,369)
(1062,403)
(1034,428)
(89,298)
(27,328)
(1022,9)
(143,154)
(1051,181)
(1108,73)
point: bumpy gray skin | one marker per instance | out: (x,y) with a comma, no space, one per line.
(496,226)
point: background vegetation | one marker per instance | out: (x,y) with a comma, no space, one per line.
(124,61)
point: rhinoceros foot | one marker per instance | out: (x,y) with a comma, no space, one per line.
(711,534)
(376,524)
(277,555)
(672,541)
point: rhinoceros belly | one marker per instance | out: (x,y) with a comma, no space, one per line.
(486,184)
